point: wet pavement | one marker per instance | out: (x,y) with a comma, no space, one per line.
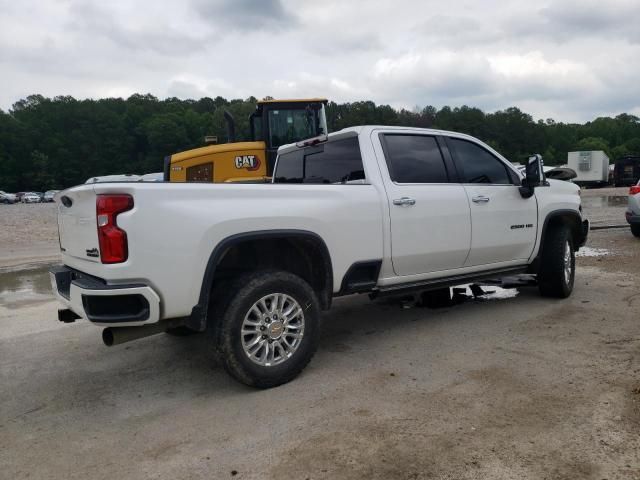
(605,209)
(25,286)
(605,201)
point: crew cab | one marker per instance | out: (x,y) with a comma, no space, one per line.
(369,209)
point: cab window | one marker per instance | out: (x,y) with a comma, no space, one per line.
(335,162)
(414,159)
(479,165)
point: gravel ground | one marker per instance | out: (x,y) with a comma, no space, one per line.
(28,234)
(515,387)
(523,387)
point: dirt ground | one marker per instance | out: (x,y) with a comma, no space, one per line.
(28,234)
(522,387)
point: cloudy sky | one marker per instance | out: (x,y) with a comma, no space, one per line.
(571,60)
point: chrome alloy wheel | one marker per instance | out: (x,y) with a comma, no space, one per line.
(568,266)
(272,329)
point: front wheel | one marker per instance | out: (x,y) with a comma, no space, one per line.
(635,229)
(269,328)
(558,264)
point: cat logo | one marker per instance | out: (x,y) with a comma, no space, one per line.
(250,162)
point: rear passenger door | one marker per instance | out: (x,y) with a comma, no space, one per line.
(429,210)
(503,224)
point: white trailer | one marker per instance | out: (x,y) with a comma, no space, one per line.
(592,167)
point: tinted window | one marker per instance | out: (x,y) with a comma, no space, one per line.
(414,159)
(338,161)
(479,165)
(289,167)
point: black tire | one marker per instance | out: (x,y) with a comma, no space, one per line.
(552,279)
(180,331)
(635,229)
(229,317)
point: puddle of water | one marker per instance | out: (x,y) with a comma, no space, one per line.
(605,201)
(592,252)
(25,287)
(493,292)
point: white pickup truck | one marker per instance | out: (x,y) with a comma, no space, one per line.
(381,210)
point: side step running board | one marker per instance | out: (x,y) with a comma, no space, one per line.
(445,282)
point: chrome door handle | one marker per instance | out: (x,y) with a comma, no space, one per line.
(480,199)
(404,201)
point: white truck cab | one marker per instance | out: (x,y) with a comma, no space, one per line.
(371,209)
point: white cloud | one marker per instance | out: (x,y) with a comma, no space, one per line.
(573,60)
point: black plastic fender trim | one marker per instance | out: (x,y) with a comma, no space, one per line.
(198,318)
(579,242)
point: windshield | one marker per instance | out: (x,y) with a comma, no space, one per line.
(293,125)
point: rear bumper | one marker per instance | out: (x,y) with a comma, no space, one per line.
(104,304)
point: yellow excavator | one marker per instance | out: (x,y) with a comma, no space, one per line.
(274,123)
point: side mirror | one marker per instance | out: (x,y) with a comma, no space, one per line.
(534,176)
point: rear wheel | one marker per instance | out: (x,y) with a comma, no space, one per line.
(268,329)
(635,229)
(558,264)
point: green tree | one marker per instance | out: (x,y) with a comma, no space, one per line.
(593,143)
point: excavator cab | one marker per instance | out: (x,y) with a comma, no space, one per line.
(274,123)
(279,122)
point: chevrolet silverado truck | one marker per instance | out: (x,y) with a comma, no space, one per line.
(370,209)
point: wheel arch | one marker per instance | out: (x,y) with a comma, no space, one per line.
(307,256)
(560,217)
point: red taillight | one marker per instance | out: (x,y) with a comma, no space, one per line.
(113,240)
(635,189)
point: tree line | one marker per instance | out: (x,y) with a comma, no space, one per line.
(53,143)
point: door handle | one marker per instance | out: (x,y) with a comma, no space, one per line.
(480,199)
(404,201)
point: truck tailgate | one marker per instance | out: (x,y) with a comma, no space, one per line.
(77,223)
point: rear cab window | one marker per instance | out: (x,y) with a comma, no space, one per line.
(336,162)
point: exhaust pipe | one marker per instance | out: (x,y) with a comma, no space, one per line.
(116,335)
(231,127)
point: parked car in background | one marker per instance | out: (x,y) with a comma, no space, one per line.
(41,195)
(19,196)
(7,198)
(633,212)
(30,197)
(49,194)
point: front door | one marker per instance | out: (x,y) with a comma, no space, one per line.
(430,217)
(503,224)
